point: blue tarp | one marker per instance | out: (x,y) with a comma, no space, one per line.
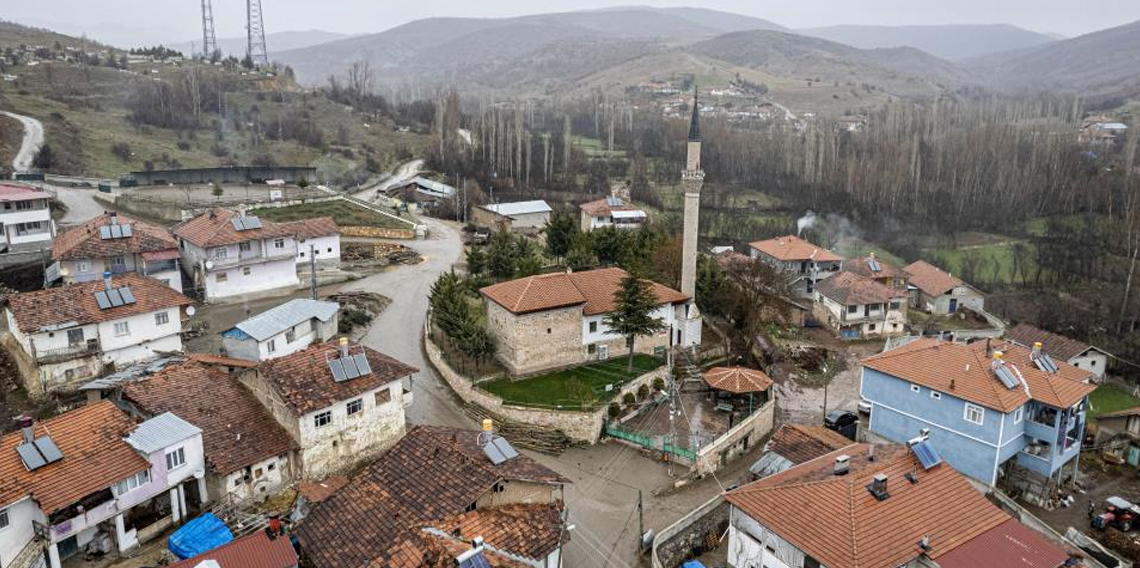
(202,534)
(693,564)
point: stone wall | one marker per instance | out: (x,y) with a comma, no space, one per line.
(377,232)
(577,425)
(676,543)
(734,443)
(538,341)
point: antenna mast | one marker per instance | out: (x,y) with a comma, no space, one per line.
(255,26)
(209,40)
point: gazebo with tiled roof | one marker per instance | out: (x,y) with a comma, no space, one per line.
(739,381)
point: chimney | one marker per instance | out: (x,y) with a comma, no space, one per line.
(952,380)
(989,349)
(842,464)
(343,346)
(924,544)
(107,280)
(113,218)
(878,487)
(27,426)
(871,452)
(213,214)
(1036,349)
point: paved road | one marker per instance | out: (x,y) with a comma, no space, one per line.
(404,173)
(80,202)
(33,139)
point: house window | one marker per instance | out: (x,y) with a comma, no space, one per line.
(122,328)
(221,253)
(271,346)
(872,327)
(548,330)
(313,325)
(894,305)
(272,466)
(83,266)
(383,397)
(354,406)
(25,205)
(591,349)
(975,414)
(246,271)
(75,336)
(852,309)
(161,318)
(1018,415)
(257,473)
(330,249)
(119,262)
(133,482)
(915,388)
(810,562)
(279,243)
(936,395)
(221,277)
(290,336)
(3,519)
(175,459)
(593,327)
(245,247)
(323,419)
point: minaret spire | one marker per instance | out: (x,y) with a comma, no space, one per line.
(695,123)
(692,180)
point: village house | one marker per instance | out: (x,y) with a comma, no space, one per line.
(612,211)
(318,239)
(794,444)
(877,269)
(519,217)
(996,410)
(1101,130)
(454,487)
(25,218)
(938,292)
(805,263)
(342,403)
(910,510)
(860,308)
(283,330)
(1076,353)
(248,455)
(62,336)
(260,549)
(230,254)
(115,244)
(92,479)
(558,320)
(1120,429)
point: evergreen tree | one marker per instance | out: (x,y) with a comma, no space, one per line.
(501,259)
(581,256)
(633,315)
(560,230)
(476,261)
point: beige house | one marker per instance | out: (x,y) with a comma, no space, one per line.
(939,292)
(613,211)
(558,320)
(860,308)
(519,217)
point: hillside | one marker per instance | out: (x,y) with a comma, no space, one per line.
(13,34)
(949,42)
(723,22)
(1102,65)
(280,41)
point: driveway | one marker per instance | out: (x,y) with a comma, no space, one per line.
(33,139)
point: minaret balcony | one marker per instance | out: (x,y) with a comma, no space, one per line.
(691,174)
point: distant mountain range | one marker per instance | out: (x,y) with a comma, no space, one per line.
(280,41)
(949,42)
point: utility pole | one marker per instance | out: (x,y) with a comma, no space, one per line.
(255,38)
(640,521)
(209,40)
(313,269)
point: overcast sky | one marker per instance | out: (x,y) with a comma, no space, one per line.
(150,21)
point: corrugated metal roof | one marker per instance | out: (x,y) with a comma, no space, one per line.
(274,321)
(132,373)
(160,432)
(519,208)
(434,187)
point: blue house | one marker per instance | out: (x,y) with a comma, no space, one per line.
(993,411)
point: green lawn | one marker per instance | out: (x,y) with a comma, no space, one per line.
(987,254)
(579,388)
(1110,398)
(344,213)
(854,248)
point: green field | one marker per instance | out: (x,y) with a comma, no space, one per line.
(596,148)
(853,248)
(1110,398)
(578,388)
(345,214)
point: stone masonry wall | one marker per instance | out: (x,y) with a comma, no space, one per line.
(377,232)
(676,543)
(731,443)
(530,343)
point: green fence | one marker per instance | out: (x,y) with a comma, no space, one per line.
(648,442)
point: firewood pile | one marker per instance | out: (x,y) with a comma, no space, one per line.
(538,438)
(384,253)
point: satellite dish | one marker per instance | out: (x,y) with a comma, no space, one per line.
(190,310)
(209,265)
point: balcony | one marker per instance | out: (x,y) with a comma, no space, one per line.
(73,351)
(157,266)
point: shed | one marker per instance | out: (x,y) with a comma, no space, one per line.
(521,216)
(282,330)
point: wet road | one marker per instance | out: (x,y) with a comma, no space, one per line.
(33,139)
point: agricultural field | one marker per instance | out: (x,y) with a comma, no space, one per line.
(345,213)
(596,148)
(1110,398)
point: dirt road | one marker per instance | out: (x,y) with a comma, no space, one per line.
(403,174)
(33,139)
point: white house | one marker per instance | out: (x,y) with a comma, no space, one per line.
(69,334)
(341,403)
(520,216)
(283,330)
(92,479)
(612,211)
(1076,353)
(805,263)
(939,292)
(860,308)
(25,218)
(316,238)
(232,255)
(111,243)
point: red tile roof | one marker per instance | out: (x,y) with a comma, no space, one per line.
(311,228)
(933,281)
(317,491)
(792,248)
(76,302)
(254,550)
(738,379)
(222,361)
(1054,344)
(966,371)
(593,289)
(850,289)
(1008,545)
(798,444)
(17,192)
(214,228)
(84,241)
(95,457)
(431,473)
(836,520)
(862,267)
(531,530)
(237,431)
(306,383)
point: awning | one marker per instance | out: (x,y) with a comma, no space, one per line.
(629,214)
(170,254)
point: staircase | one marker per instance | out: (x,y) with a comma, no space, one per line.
(31,555)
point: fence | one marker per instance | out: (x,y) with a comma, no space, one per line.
(650,442)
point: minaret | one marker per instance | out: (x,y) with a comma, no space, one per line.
(692,180)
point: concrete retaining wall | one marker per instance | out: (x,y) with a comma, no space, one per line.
(731,444)
(675,543)
(577,425)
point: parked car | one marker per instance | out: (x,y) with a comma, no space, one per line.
(843,421)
